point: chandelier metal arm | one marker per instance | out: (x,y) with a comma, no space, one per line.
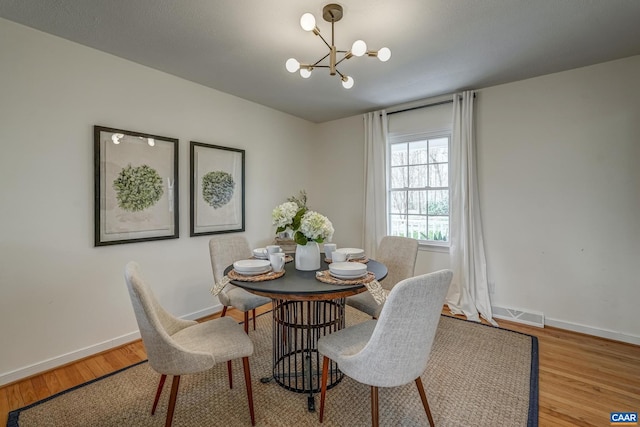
(325,42)
(346,57)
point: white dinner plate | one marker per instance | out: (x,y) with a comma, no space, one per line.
(260,253)
(352,253)
(340,276)
(244,266)
(348,268)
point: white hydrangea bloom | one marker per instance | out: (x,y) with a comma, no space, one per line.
(316,226)
(283,215)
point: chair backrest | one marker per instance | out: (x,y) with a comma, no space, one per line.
(399,255)
(225,250)
(156,327)
(399,348)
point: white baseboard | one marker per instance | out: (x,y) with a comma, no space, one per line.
(598,332)
(54,362)
(538,319)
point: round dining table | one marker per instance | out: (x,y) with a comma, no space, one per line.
(303,310)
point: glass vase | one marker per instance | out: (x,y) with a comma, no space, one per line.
(308,257)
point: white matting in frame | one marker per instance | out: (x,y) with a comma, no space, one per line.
(217,189)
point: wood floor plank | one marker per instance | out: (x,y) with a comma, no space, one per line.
(69,376)
(40,387)
(98,365)
(27,392)
(85,371)
(14,398)
(5,408)
(52,381)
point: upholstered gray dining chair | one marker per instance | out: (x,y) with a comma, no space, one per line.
(393,350)
(179,347)
(399,255)
(224,251)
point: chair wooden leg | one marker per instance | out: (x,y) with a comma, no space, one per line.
(323,389)
(247,380)
(423,396)
(254,319)
(224,311)
(246,322)
(172,400)
(374,406)
(229,370)
(163,377)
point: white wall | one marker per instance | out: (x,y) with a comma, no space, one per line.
(560,195)
(60,297)
(338,188)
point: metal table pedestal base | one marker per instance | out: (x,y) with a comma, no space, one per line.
(297,326)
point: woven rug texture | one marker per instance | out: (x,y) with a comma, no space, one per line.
(477,376)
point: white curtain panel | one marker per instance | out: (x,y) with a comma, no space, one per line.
(375,179)
(469,290)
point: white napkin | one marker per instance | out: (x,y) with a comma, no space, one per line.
(218,287)
(377,291)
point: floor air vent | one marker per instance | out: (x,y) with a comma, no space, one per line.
(527,317)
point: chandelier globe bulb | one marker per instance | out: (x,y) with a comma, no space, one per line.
(292,65)
(308,22)
(347,82)
(384,54)
(359,48)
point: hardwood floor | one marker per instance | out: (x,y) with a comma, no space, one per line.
(582,378)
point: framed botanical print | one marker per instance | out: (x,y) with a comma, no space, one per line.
(136,186)
(217,189)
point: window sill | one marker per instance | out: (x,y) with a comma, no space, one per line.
(429,247)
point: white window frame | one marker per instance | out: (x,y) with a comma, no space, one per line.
(408,138)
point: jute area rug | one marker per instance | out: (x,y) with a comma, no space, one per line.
(477,376)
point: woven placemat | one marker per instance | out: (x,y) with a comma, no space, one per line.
(360,260)
(326,277)
(271,275)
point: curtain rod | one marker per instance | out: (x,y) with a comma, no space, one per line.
(448,101)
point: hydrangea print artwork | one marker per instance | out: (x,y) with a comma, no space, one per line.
(217,188)
(138,188)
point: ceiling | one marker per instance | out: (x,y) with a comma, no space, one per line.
(438,46)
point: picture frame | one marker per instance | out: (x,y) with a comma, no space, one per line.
(135,187)
(217,189)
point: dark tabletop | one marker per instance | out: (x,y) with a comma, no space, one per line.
(303,285)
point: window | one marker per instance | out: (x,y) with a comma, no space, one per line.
(419,187)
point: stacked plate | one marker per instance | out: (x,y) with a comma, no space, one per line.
(352,253)
(252,267)
(347,270)
(260,253)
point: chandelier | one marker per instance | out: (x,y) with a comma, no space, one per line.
(333,13)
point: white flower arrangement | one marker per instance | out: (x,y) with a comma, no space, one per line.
(308,226)
(315,227)
(283,215)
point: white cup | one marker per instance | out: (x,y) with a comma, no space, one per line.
(328,249)
(337,256)
(277,261)
(273,249)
